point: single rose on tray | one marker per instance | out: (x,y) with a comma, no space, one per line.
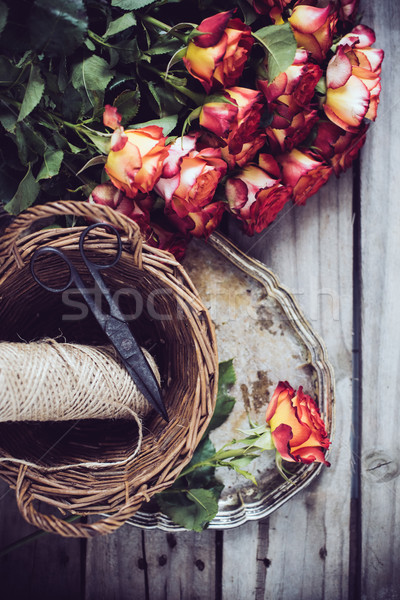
(297,429)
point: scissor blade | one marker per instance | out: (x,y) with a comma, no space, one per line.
(135,362)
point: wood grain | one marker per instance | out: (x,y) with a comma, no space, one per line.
(181,565)
(47,568)
(116,566)
(380,219)
(304,546)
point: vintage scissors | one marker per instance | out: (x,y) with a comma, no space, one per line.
(113,324)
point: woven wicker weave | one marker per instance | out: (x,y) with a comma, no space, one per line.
(181,337)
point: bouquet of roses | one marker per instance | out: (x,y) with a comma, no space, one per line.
(253,106)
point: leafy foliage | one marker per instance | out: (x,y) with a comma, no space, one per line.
(60,62)
(192,501)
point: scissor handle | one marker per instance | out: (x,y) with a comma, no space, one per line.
(88,261)
(51,250)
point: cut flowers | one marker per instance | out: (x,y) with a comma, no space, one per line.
(176,113)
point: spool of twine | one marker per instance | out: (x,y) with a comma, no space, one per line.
(51,381)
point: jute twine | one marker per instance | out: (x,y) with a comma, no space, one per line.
(51,381)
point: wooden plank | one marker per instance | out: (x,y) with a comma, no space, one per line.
(304,546)
(380,222)
(181,565)
(47,568)
(115,566)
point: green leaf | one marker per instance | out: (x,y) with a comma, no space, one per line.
(225,402)
(131,4)
(51,164)
(191,509)
(33,94)
(25,195)
(163,46)
(281,45)
(121,24)
(3,16)
(102,141)
(93,75)
(167,124)
(58,28)
(128,103)
(7,119)
(8,72)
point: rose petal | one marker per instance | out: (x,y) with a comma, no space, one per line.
(212,29)
(339,70)
(348,105)
(308,19)
(111,117)
(281,438)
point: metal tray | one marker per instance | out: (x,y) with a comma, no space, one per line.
(258,324)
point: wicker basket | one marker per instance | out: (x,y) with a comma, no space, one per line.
(183,343)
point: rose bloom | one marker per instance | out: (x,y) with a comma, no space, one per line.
(247,153)
(338,147)
(255,198)
(262,7)
(174,242)
(298,432)
(353,82)
(243,121)
(314,28)
(298,81)
(289,97)
(188,185)
(137,209)
(305,172)
(218,57)
(136,159)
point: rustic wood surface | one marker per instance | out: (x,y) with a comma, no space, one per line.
(339,538)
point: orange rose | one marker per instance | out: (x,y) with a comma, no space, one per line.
(255,198)
(135,161)
(314,28)
(304,172)
(297,429)
(338,147)
(218,57)
(188,187)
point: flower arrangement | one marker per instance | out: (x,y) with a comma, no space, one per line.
(293,428)
(130,104)
(255,105)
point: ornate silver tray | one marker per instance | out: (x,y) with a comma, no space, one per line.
(258,324)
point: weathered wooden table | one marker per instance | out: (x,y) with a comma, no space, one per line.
(340,538)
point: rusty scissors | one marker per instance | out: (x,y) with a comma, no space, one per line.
(113,324)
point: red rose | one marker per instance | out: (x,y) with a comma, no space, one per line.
(218,57)
(190,188)
(171,241)
(289,98)
(304,172)
(297,429)
(255,198)
(338,147)
(137,209)
(314,28)
(353,82)
(262,7)
(236,124)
